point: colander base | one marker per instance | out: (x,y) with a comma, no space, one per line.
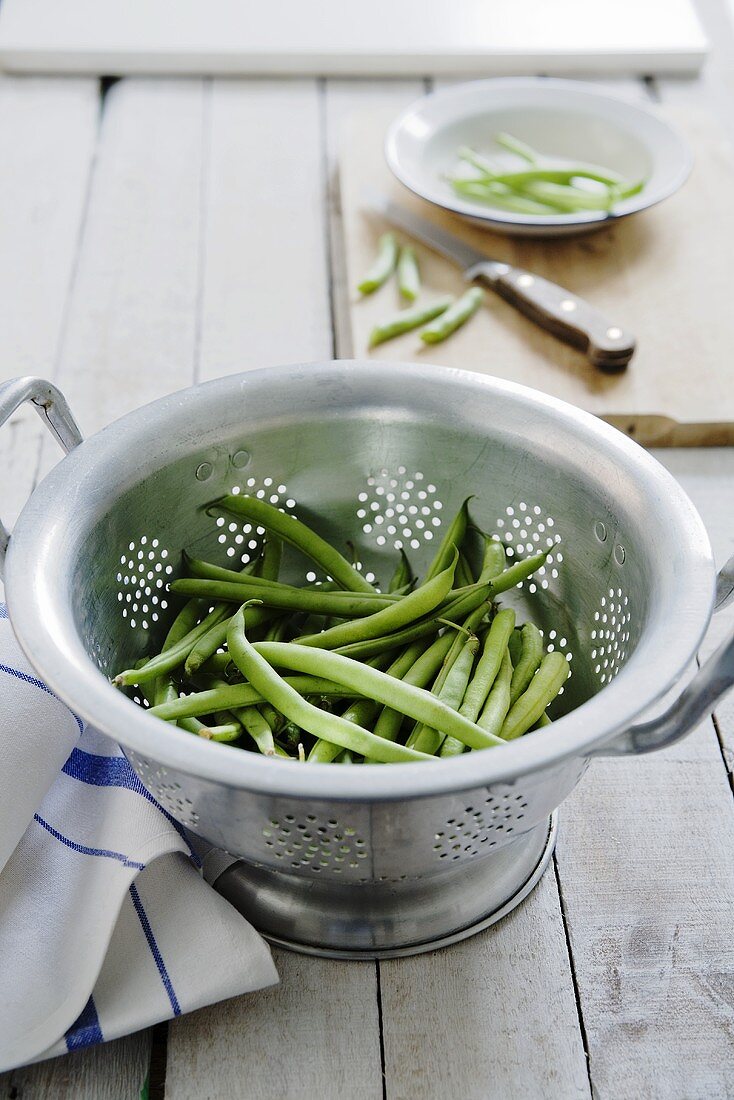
(382,920)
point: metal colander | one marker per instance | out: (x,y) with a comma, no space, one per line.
(368,860)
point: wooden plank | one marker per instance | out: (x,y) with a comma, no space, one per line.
(50,132)
(644,860)
(648,884)
(709,480)
(131,332)
(115,1071)
(493,1016)
(130,336)
(343,97)
(314,1036)
(51,128)
(265,297)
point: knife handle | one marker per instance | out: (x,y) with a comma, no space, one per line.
(568,317)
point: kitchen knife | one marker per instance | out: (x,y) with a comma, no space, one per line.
(606,344)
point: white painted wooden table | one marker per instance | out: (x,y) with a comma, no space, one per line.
(167,231)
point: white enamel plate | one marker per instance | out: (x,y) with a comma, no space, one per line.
(560,118)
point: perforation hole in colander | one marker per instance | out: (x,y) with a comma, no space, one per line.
(307,841)
(399,508)
(168,792)
(479,827)
(527,529)
(242,540)
(610,634)
(142,578)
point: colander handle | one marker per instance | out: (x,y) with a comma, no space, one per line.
(51,406)
(713,680)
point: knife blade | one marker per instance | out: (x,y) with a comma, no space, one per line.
(570,318)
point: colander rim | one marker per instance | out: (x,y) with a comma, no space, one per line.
(45,630)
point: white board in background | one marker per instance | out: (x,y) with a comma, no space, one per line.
(349,37)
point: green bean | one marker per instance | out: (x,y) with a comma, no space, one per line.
(177,645)
(568,199)
(246,586)
(208,644)
(517,573)
(487,167)
(455,611)
(403,575)
(455,316)
(205,570)
(530,658)
(285,598)
(268,565)
(272,716)
(559,176)
(359,712)
(406,321)
(514,145)
(362,713)
(514,645)
(384,265)
(450,543)
(173,657)
(258,729)
(244,695)
(164,690)
(277,630)
(185,622)
(542,690)
(495,559)
(249,719)
(498,701)
(463,571)
(414,702)
(495,646)
(216,665)
(504,199)
(430,738)
(331,727)
(409,280)
(419,674)
(297,534)
(407,610)
(468,627)
(543,721)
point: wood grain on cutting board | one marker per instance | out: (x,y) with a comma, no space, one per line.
(666,274)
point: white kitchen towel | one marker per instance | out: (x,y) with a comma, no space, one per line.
(106,925)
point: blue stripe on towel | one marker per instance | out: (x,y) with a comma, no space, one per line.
(155,950)
(85,1031)
(3,611)
(83,850)
(115,771)
(39,684)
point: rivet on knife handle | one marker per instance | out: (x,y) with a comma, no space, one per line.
(568,317)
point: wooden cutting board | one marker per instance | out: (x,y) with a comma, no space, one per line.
(666,274)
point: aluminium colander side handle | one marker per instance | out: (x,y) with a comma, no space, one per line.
(712,681)
(51,406)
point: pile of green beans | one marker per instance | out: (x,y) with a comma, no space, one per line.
(340,671)
(539,185)
(441,316)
